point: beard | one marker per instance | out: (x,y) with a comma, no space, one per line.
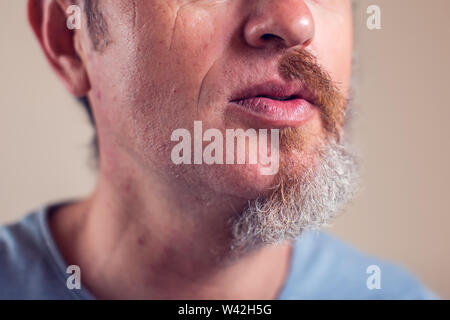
(308,201)
(310,194)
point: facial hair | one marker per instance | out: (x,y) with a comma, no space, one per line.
(311,193)
(299,203)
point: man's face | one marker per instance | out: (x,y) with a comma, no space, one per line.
(172,62)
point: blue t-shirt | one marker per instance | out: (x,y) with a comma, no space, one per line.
(322,267)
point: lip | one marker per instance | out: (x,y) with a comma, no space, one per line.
(276,104)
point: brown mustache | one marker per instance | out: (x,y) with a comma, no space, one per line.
(302,65)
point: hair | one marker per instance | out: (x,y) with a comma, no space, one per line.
(98,33)
(299,203)
(311,191)
(84,101)
(96,24)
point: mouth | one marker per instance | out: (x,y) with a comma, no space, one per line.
(275,105)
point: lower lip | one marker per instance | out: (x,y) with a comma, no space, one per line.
(289,113)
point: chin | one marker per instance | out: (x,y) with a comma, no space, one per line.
(238,181)
(247,182)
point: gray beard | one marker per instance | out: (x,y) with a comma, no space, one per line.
(307,202)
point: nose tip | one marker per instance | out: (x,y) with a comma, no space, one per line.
(287,22)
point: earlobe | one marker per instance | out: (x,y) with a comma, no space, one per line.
(48,20)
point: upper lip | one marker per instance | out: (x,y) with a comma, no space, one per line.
(276,90)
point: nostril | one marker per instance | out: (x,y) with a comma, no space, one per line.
(307,43)
(270,36)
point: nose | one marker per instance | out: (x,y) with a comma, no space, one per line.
(279,22)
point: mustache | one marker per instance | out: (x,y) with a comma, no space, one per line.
(303,66)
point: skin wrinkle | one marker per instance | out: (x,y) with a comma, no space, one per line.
(174,28)
(202,84)
(172,38)
(103,264)
(173,35)
(135,15)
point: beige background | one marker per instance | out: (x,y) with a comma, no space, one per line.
(402,214)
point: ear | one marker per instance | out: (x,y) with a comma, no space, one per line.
(48,20)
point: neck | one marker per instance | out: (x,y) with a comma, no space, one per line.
(147,239)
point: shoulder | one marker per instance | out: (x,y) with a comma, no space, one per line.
(27,268)
(19,243)
(324,267)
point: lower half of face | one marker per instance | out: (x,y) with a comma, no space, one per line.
(189,99)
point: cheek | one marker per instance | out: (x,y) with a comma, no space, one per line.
(334,47)
(197,42)
(175,54)
(170,65)
(158,72)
